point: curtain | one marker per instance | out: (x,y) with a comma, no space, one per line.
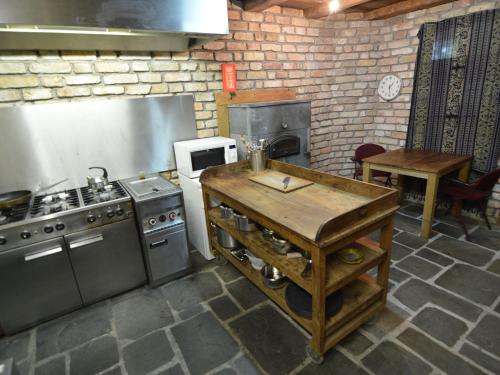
(456,95)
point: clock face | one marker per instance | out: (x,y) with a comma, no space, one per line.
(389,87)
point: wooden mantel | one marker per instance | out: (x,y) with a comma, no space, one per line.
(371,9)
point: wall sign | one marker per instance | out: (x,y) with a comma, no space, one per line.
(229,77)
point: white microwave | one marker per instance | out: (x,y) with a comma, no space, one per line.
(193,156)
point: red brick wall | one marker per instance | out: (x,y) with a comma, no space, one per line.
(336,63)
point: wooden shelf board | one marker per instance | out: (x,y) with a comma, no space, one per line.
(358,295)
(338,274)
(277,295)
(263,249)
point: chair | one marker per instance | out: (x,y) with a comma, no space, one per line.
(478,192)
(365,151)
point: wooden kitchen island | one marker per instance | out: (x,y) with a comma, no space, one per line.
(320,219)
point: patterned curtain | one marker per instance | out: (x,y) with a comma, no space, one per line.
(456,95)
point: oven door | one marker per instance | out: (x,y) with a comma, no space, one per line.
(107,260)
(36,284)
(291,147)
(167,254)
(283,146)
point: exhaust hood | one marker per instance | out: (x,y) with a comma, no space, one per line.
(120,25)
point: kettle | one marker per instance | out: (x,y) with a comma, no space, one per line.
(98,183)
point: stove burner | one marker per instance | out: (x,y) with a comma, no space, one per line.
(55,197)
(56,208)
(104,197)
(52,203)
(111,192)
(11,215)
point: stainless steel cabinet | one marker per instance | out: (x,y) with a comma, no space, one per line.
(166,251)
(106,260)
(36,283)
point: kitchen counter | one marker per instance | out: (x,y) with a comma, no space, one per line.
(320,219)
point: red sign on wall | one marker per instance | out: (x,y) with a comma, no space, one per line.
(229,77)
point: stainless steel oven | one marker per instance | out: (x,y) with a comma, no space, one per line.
(106,260)
(36,284)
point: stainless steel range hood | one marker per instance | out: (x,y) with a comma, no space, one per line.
(124,25)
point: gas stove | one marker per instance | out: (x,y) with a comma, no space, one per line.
(57,214)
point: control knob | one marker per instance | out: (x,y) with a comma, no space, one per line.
(25,234)
(110,214)
(48,229)
(119,212)
(60,226)
(91,219)
(3,240)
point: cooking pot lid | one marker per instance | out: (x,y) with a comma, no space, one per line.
(300,302)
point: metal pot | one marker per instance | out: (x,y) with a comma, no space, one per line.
(267,234)
(226,212)
(273,278)
(244,224)
(280,245)
(98,183)
(224,239)
(257,160)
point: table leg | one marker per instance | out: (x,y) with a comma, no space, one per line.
(463,175)
(401,181)
(429,204)
(367,172)
(318,301)
(385,243)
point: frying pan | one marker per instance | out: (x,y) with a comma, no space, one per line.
(14,198)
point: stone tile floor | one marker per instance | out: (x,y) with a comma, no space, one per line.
(443,316)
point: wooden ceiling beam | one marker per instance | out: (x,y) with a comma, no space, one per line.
(402,7)
(323,10)
(260,5)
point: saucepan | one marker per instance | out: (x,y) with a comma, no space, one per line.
(223,238)
(272,277)
(243,223)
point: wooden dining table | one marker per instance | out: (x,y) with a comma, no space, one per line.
(428,165)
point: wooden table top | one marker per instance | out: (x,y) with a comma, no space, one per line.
(304,211)
(418,160)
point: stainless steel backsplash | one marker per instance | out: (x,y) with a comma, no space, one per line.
(41,144)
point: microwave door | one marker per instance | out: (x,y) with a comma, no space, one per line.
(207,158)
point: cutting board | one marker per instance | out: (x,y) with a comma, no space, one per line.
(274,179)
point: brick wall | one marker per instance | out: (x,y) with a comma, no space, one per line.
(336,63)
(364,52)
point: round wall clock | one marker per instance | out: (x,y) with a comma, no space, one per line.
(389,87)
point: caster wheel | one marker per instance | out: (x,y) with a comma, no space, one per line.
(220,260)
(317,358)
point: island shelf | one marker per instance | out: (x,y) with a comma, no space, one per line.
(320,219)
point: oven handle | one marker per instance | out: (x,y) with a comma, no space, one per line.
(158,244)
(87,241)
(41,254)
